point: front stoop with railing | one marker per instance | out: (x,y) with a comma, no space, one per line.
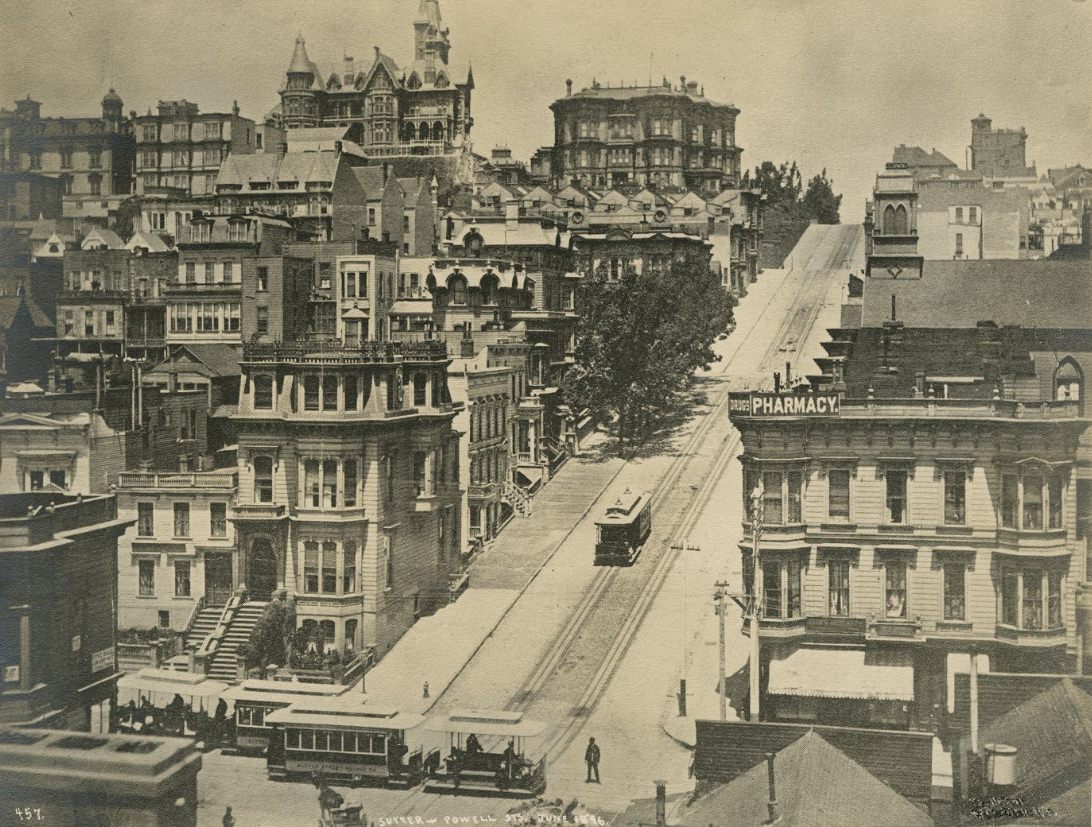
(217,655)
(519,499)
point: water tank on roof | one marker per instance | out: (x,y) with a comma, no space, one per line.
(1001,765)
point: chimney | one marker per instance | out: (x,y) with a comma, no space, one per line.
(349,68)
(893,316)
(386,172)
(568,87)
(772,804)
(661,804)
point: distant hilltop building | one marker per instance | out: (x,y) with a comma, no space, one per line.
(421,109)
(663,136)
(999,152)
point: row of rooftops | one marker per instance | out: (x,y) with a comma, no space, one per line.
(689,90)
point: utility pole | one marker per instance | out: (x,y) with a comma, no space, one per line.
(719,593)
(756,601)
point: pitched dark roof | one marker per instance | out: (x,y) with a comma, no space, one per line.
(915,156)
(9,306)
(1052,733)
(219,359)
(816,785)
(875,351)
(1031,293)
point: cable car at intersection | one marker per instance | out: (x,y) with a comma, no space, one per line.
(622,530)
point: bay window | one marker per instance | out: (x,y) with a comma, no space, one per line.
(782,588)
(348,576)
(1031,598)
(349,470)
(1033,501)
(311,492)
(329,567)
(793,487)
(310,567)
(329,393)
(329,483)
(772,503)
(351,394)
(263,393)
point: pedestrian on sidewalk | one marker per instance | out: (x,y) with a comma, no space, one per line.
(229,819)
(591,758)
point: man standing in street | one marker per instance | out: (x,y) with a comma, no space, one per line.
(591,758)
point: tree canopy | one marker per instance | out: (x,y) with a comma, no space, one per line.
(781,184)
(640,338)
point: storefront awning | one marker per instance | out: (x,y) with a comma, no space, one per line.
(844,673)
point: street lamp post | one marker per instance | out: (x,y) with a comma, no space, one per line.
(756,601)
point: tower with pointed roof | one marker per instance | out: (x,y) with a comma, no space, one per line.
(299,107)
(430,39)
(419,108)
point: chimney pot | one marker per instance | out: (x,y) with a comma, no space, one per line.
(661,804)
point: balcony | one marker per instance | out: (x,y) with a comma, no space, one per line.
(1014,542)
(91,294)
(895,629)
(408,148)
(836,629)
(333,352)
(1041,638)
(177,482)
(777,627)
(245,512)
(203,287)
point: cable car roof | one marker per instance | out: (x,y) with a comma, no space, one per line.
(344,712)
(167,680)
(624,508)
(281,691)
(486,722)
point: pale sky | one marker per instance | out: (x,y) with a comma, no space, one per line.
(834,83)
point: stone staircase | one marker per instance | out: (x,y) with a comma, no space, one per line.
(223,666)
(202,626)
(517,498)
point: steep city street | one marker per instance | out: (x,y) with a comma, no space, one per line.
(601,649)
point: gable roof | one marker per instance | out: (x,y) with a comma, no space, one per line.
(305,167)
(1026,292)
(148,240)
(102,236)
(816,784)
(217,360)
(9,308)
(915,156)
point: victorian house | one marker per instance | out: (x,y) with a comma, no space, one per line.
(419,109)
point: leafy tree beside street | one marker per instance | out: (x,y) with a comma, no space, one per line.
(639,340)
(781,184)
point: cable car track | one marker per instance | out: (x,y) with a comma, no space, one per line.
(658,557)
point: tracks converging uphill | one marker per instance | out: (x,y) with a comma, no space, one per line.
(588,648)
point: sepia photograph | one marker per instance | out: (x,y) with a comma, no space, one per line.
(630,413)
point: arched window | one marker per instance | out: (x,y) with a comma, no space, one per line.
(1069,382)
(457,286)
(263,479)
(437,131)
(422,133)
(489,290)
(263,393)
(410,132)
(899,223)
(888,219)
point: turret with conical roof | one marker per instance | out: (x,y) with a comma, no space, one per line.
(298,105)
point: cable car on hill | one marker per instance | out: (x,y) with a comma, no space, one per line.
(346,739)
(622,530)
(255,699)
(500,765)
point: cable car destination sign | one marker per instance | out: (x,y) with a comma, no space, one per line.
(783,404)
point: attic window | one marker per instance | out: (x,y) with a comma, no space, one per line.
(288,185)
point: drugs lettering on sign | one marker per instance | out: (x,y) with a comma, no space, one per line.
(775,404)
